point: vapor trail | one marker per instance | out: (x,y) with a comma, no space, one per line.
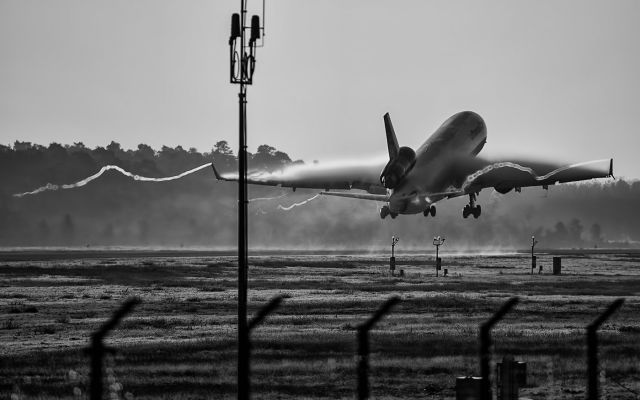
(50,186)
(281,207)
(267,198)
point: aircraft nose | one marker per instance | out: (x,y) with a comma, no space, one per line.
(473,121)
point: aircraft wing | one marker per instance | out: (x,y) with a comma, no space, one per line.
(361,196)
(471,175)
(364,176)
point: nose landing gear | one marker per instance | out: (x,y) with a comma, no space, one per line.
(472,208)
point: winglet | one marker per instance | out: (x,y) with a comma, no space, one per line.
(392,141)
(611,169)
(217,174)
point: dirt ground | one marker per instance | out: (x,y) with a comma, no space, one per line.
(180,341)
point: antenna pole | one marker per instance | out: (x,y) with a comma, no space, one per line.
(242,66)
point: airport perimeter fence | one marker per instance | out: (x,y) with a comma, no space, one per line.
(509,376)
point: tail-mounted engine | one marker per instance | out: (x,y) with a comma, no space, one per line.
(398,167)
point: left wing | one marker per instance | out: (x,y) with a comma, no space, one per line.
(472,175)
(364,176)
(362,196)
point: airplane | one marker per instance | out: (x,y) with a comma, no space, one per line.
(446,165)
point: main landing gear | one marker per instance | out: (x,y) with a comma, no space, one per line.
(430,211)
(384,211)
(471,208)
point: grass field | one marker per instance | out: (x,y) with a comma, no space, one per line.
(180,341)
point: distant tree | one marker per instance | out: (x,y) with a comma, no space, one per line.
(267,157)
(222,148)
(108,233)
(68,229)
(575,231)
(114,147)
(145,152)
(21,146)
(596,233)
(43,230)
(143,231)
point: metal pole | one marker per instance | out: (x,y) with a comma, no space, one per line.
(592,349)
(97,354)
(242,66)
(98,349)
(485,346)
(437,248)
(243,258)
(533,258)
(363,346)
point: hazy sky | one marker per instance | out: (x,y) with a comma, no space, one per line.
(555,79)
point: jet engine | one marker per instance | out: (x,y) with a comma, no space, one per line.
(398,167)
(503,188)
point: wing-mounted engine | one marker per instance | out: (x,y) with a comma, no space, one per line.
(503,188)
(398,168)
(401,159)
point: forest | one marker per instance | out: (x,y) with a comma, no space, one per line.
(198,211)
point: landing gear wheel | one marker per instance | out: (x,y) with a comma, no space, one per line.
(477,211)
(466,211)
(432,210)
(384,211)
(426,212)
(471,208)
(393,215)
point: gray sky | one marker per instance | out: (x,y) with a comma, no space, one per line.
(556,79)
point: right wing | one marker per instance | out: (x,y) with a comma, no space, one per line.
(364,176)
(473,174)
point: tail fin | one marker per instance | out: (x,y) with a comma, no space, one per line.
(392,141)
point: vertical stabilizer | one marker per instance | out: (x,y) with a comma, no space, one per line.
(392,141)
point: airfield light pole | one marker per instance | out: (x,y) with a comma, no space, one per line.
(534,242)
(438,241)
(242,66)
(392,260)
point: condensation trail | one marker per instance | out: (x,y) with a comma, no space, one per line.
(267,198)
(50,186)
(471,178)
(281,207)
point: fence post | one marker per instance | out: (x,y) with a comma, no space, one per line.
(98,349)
(255,321)
(592,349)
(363,346)
(485,346)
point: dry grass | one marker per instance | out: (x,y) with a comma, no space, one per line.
(180,341)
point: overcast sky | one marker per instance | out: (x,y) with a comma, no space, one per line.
(555,79)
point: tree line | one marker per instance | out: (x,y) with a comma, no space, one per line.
(200,211)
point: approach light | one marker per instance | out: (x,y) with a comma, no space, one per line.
(255,28)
